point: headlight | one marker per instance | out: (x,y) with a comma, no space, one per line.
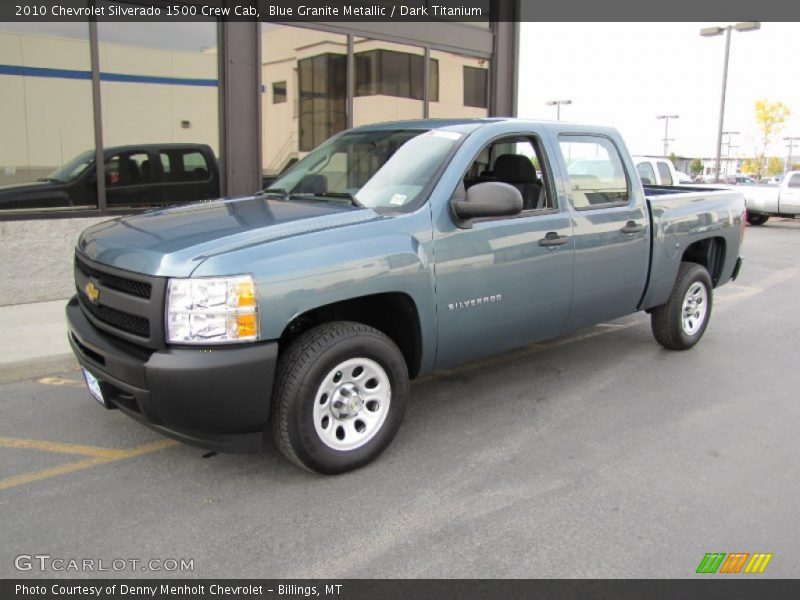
(212,310)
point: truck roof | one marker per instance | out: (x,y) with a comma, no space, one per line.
(466,125)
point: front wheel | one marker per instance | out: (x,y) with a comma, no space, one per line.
(679,323)
(756,218)
(340,397)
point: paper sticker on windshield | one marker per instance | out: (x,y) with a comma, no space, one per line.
(398,199)
(448,135)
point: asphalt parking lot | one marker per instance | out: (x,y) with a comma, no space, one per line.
(596,455)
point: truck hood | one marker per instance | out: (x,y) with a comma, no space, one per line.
(173,242)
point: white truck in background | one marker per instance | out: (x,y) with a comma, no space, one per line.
(659,171)
(765,201)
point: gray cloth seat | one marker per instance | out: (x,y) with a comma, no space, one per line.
(517,170)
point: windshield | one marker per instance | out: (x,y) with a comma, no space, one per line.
(388,168)
(73,168)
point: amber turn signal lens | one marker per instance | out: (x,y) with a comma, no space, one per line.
(247,325)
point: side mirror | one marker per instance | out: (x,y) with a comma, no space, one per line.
(488,199)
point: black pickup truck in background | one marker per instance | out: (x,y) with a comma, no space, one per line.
(136,176)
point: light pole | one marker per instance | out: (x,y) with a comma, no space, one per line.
(557,104)
(788,165)
(712,32)
(728,150)
(667,139)
(728,159)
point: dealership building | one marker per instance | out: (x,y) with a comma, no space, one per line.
(133,103)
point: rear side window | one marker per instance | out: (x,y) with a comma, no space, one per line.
(129,168)
(646,173)
(794,182)
(184,165)
(666,174)
(597,178)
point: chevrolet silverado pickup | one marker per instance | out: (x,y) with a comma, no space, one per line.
(145,175)
(389,251)
(766,201)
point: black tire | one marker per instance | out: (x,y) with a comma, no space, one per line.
(666,320)
(757,218)
(301,370)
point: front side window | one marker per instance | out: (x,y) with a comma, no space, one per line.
(646,173)
(794,182)
(379,169)
(516,161)
(596,175)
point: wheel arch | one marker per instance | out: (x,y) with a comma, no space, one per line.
(393,313)
(710,253)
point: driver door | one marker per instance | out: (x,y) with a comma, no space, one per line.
(502,283)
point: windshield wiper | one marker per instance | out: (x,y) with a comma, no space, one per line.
(334,195)
(49,180)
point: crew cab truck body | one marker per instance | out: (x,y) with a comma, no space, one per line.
(142,175)
(390,251)
(782,200)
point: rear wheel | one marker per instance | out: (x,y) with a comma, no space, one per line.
(756,218)
(679,323)
(340,397)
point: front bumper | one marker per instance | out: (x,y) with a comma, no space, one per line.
(215,398)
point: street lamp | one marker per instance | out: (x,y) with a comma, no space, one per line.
(788,165)
(712,32)
(667,139)
(728,147)
(557,104)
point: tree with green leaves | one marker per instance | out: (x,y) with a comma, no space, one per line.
(696,167)
(770,117)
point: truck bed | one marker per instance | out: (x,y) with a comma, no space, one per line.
(681,218)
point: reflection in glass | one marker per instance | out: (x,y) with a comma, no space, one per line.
(463,81)
(310,69)
(46,118)
(159,94)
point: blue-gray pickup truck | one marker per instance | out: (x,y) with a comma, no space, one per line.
(391,250)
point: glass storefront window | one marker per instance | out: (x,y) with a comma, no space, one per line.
(160,96)
(309,68)
(46,117)
(464,83)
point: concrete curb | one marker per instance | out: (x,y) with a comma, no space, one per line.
(37,367)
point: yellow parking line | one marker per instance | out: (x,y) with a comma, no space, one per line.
(99,456)
(62,381)
(46,446)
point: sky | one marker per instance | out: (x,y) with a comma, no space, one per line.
(624,74)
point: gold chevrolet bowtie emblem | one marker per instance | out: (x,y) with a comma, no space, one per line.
(92,291)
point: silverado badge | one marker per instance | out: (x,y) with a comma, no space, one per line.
(92,291)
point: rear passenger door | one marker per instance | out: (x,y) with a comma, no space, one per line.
(612,246)
(187,175)
(131,180)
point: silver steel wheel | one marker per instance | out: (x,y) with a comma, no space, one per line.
(695,308)
(352,403)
